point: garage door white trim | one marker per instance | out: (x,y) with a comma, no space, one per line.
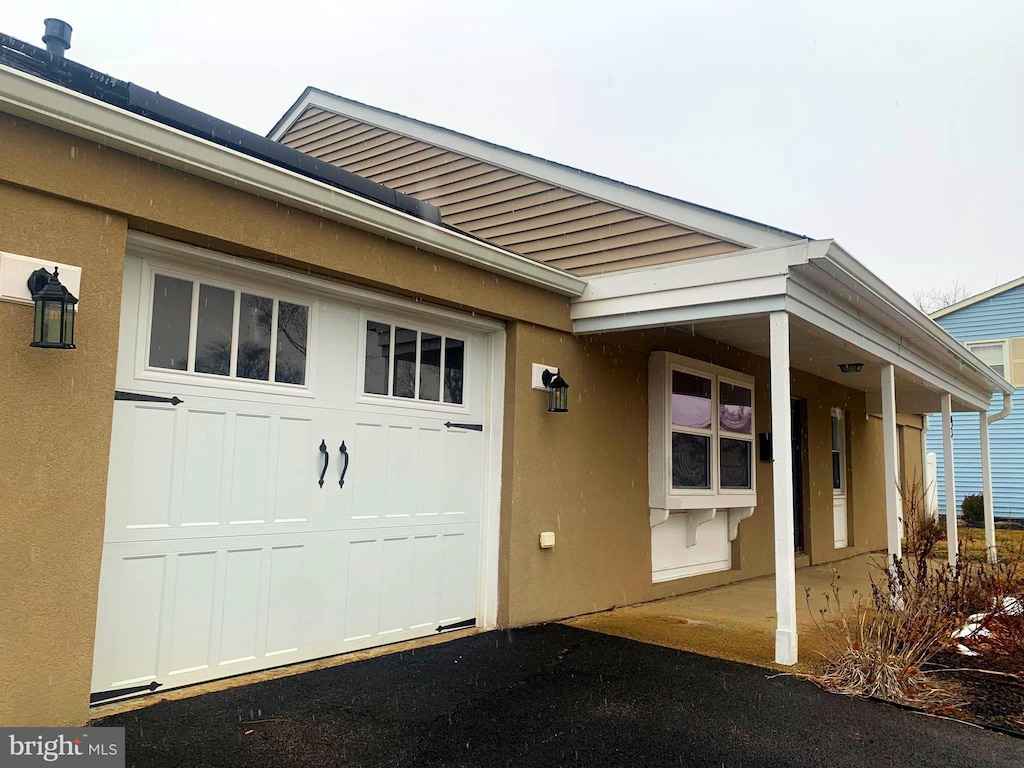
(148,254)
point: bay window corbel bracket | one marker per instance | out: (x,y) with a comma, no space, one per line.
(692,519)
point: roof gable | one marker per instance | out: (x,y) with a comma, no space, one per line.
(549,212)
(998,313)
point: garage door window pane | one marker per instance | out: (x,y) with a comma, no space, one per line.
(292,324)
(378,351)
(691,400)
(734,460)
(405,363)
(691,466)
(172,314)
(254,320)
(430,367)
(213,330)
(454,363)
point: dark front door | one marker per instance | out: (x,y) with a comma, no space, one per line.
(797,415)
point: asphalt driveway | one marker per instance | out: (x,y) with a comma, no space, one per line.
(547,696)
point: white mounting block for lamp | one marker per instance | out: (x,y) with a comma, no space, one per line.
(538,374)
(15,269)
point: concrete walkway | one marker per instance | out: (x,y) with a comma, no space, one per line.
(546,696)
(736,622)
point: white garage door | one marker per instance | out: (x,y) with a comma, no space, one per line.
(291,476)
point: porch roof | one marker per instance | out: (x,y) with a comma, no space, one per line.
(841,313)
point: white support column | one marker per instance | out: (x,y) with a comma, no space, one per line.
(782,484)
(986,489)
(890,454)
(953,543)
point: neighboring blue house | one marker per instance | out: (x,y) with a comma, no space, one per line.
(991,325)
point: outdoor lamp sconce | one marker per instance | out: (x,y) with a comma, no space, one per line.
(558,392)
(851,367)
(54,311)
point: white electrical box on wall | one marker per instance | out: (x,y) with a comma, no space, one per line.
(547,539)
(15,270)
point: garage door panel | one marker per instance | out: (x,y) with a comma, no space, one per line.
(240,611)
(134,625)
(149,475)
(297,465)
(205,446)
(251,458)
(192,609)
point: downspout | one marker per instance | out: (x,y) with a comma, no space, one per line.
(1004,411)
(986,475)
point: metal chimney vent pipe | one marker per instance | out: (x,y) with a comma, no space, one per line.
(57,36)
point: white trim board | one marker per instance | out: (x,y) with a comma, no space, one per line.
(690,215)
(65,110)
(816,281)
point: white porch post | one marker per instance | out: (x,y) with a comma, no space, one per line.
(986,489)
(782,484)
(953,544)
(890,453)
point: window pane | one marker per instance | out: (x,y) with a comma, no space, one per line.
(172,313)
(837,472)
(378,350)
(430,367)
(292,323)
(991,355)
(690,461)
(691,400)
(213,330)
(254,319)
(454,362)
(734,408)
(836,437)
(734,462)
(405,363)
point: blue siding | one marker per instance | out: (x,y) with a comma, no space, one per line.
(1006,443)
(998,317)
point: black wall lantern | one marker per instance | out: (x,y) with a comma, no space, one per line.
(558,392)
(55,311)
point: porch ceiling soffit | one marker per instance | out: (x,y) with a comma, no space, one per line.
(73,113)
(816,281)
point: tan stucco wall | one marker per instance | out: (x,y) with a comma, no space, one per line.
(55,411)
(171,203)
(583,474)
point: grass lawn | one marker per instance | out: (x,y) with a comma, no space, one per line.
(972,542)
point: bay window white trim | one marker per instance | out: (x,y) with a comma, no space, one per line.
(662,496)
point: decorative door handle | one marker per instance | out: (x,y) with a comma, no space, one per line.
(327,459)
(344,469)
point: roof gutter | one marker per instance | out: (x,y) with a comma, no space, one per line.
(910,314)
(70,112)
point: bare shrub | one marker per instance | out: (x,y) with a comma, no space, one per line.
(879,644)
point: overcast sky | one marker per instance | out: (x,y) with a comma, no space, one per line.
(894,127)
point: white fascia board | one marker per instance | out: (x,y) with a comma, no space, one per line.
(70,112)
(690,215)
(657,318)
(710,270)
(912,322)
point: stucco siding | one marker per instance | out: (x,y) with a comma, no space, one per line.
(583,474)
(55,413)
